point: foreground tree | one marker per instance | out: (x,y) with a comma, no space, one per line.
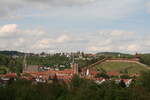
(144,80)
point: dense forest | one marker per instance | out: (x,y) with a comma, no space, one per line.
(10,64)
(77,89)
(49,60)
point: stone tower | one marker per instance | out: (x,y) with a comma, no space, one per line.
(74,67)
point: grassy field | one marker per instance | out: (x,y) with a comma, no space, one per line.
(130,67)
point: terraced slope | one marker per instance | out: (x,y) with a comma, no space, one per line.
(130,67)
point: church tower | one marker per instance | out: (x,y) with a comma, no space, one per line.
(137,57)
(74,67)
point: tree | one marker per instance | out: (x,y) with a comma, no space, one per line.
(144,80)
(103,75)
(125,76)
(76,81)
(145,58)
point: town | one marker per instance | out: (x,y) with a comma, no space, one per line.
(74,50)
(45,74)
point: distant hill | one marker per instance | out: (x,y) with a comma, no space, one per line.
(118,66)
(114,54)
(145,58)
(12,53)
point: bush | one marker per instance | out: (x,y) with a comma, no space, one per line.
(103,75)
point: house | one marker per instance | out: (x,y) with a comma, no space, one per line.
(126,81)
(7,78)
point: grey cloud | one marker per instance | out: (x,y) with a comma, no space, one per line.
(78,9)
(62,2)
(8,8)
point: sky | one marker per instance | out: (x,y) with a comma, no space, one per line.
(75,25)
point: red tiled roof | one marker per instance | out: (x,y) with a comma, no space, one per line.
(93,72)
(113,74)
(126,80)
(64,74)
(10,75)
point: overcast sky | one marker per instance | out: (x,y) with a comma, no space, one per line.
(75,25)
